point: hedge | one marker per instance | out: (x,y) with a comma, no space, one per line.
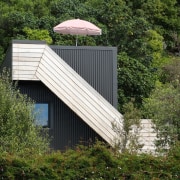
(95,162)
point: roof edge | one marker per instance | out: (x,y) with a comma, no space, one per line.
(16,41)
(84,47)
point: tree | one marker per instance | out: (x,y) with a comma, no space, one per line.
(15,15)
(163,107)
(128,136)
(164,103)
(134,80)
(19,134)
(164,17)
(171,72)
(34,34)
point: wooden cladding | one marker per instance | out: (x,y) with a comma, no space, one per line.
(26,58)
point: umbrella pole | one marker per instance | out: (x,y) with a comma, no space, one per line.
(76,39)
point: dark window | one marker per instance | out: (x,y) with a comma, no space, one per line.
(42,114)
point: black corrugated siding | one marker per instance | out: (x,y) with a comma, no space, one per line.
(97,65)
(66,128)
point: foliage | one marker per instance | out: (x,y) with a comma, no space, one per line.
(33,34)
(163,107)
(18,133)
(127,136)
(164,17)
(171,72)
(163,104)
(95,162)
(134,80)
(155,45)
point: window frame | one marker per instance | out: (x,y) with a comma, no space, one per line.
(49,120)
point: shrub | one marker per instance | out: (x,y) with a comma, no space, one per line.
(95,162)
(18,133)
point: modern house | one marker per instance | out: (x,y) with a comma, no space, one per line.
(74,87)
(75,90)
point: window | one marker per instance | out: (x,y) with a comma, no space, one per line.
(42,114)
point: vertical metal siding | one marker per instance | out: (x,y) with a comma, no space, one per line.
(97,65)
(67,129)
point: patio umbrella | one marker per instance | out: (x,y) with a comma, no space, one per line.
(77,27)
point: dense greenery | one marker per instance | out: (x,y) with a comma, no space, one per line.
(95,162)
(18,132)
(163,105)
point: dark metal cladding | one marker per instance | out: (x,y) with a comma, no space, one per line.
(66,128)
(97,65)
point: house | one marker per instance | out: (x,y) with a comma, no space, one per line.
(75,86)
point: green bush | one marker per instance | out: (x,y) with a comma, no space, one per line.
(19,134)
(95,162)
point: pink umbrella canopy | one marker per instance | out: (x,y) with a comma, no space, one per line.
(77,27)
